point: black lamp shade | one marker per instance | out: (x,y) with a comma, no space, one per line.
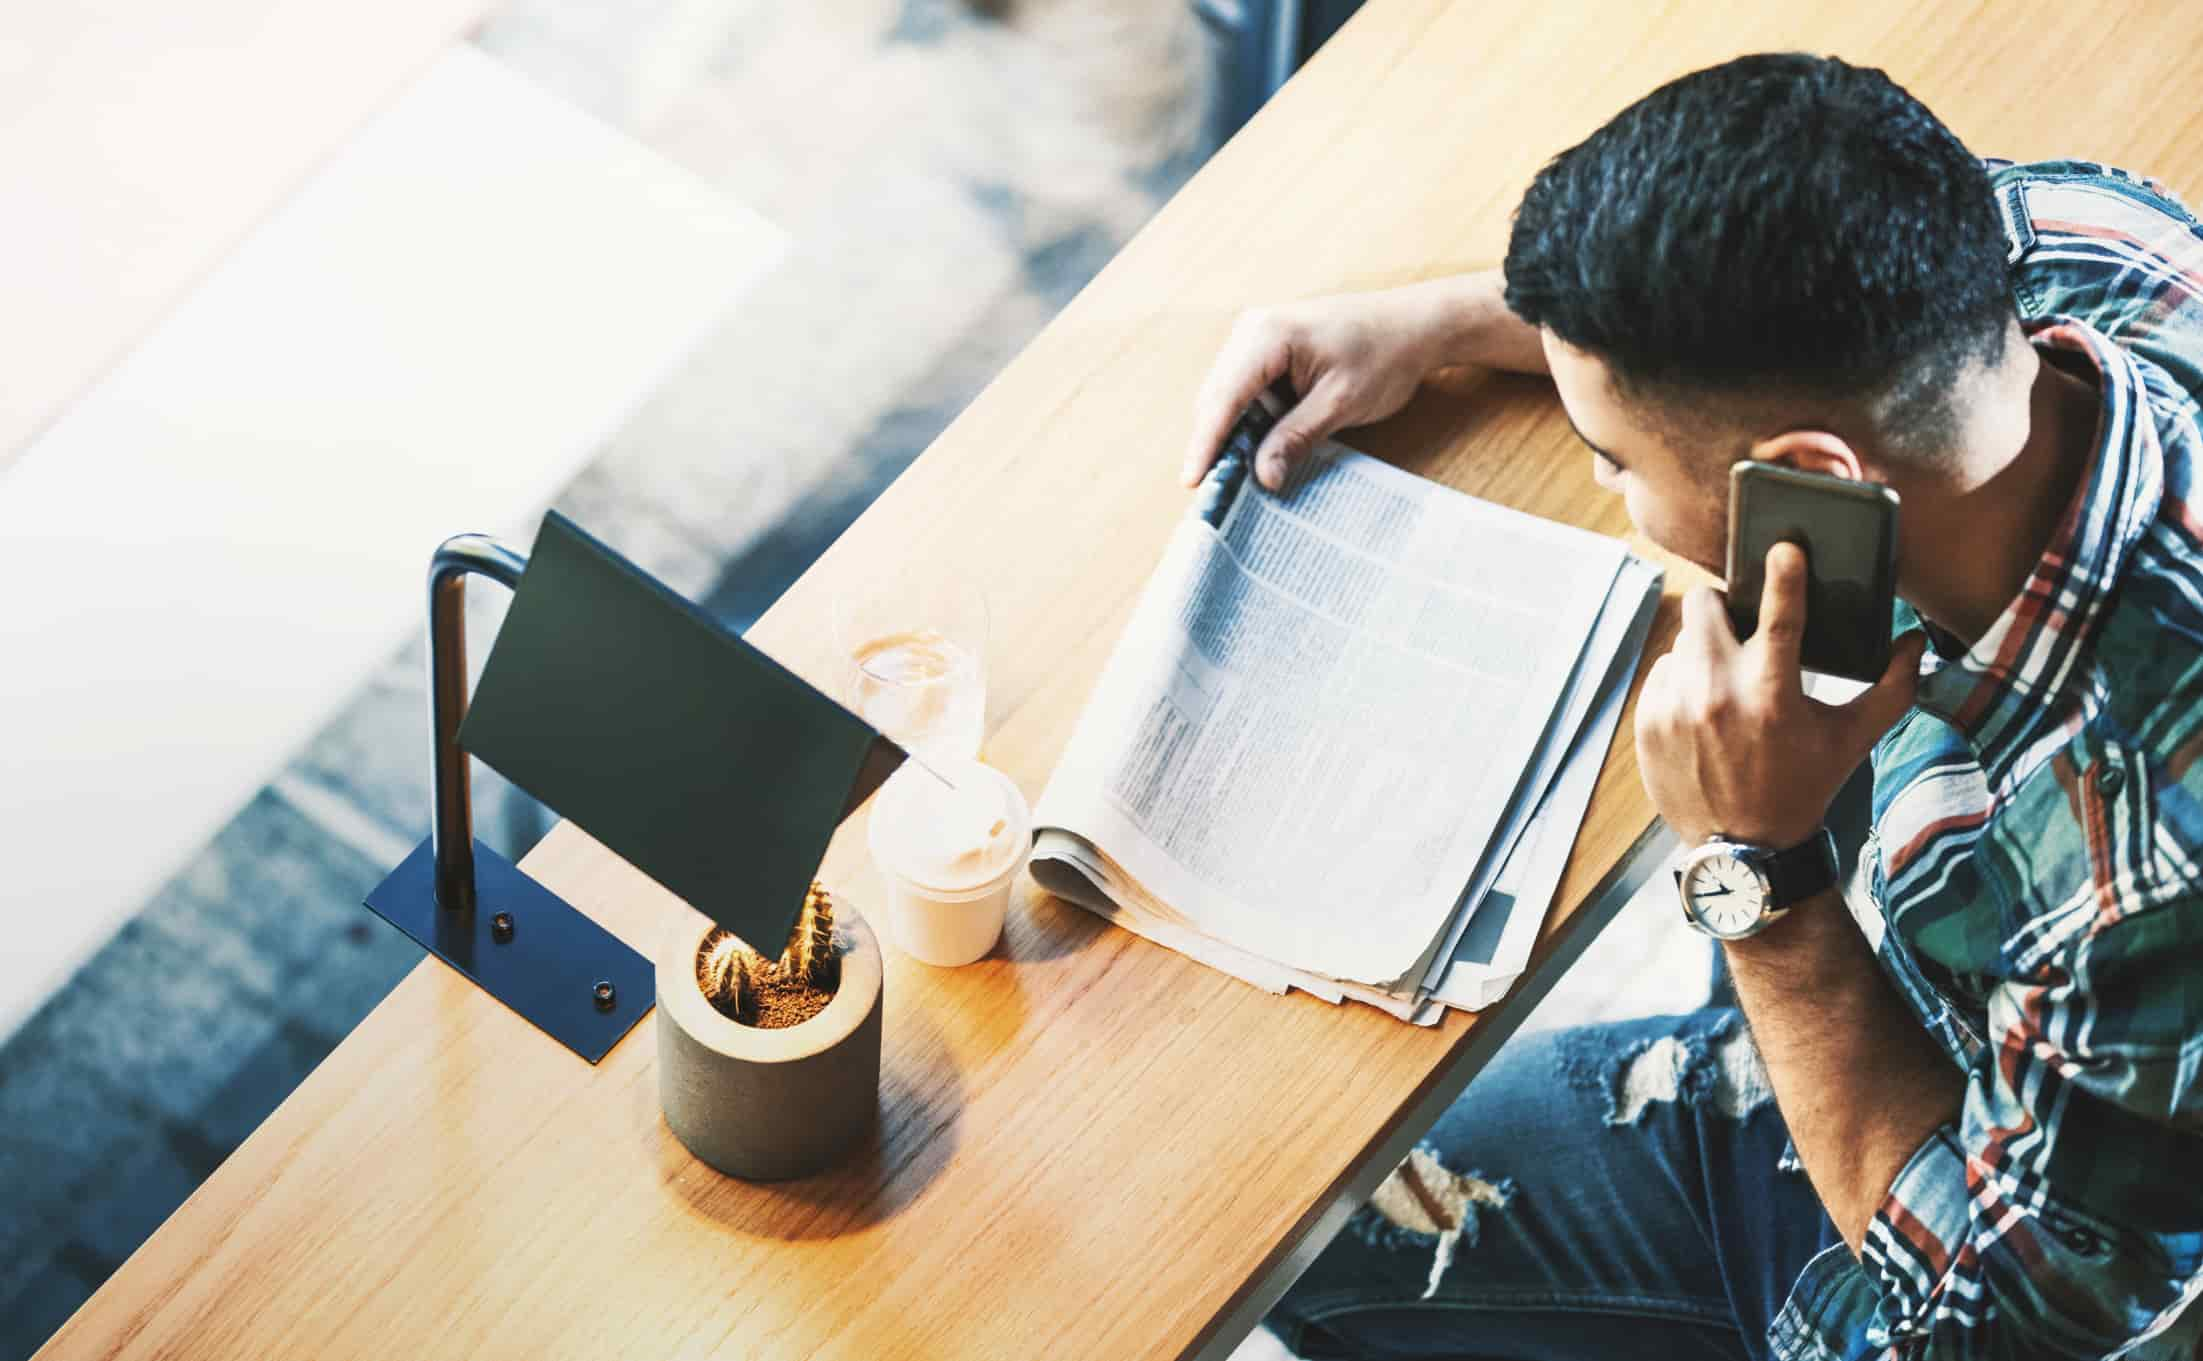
(701,761)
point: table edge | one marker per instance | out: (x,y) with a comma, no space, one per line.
(1491,1028)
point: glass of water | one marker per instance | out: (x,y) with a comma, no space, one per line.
(914,663)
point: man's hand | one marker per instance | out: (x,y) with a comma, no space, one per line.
(1728,742)
(1353,359)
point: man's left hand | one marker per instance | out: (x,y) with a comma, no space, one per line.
(1727,740)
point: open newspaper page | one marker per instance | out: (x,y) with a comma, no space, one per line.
(1498,920)
(1321,710)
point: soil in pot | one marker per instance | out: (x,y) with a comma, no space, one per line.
(773,994)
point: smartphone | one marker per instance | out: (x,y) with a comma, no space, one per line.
(1849,533)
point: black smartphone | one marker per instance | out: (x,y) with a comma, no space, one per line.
(1849,533)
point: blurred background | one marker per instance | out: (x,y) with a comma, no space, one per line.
(717,272)
(944,175)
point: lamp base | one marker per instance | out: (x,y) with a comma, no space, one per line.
(525,946)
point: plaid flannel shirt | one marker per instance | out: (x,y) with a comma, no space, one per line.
(2035,877)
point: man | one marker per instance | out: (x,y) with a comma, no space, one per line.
(1985,1137)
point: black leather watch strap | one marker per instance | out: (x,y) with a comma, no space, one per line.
(1795,874)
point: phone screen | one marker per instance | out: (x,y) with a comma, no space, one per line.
(1849,532)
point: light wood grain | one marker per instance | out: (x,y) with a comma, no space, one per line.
(1090,1147)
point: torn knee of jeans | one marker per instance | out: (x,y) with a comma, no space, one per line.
(1719,1065)
(1424,1203)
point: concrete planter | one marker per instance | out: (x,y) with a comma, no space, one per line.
(767,1105)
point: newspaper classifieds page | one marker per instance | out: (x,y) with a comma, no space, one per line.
(1323,707)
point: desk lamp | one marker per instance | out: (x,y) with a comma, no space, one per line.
(702,762)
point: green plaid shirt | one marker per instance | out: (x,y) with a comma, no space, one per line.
(2036,891)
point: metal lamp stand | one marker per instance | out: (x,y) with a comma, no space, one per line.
(471,907)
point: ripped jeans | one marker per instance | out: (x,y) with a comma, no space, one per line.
(1608,1191)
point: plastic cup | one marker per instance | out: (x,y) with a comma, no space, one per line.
(935,917)
(914,661)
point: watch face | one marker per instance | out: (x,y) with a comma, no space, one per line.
(1724,895)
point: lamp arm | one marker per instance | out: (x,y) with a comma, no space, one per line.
(453,833)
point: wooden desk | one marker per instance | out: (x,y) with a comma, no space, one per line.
(1090,1147)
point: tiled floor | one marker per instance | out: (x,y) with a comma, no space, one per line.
(170,1046)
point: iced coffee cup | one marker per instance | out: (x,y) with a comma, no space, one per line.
(915,663)
(949,856)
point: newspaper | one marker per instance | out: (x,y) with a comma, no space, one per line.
(1571,746)
(1334,710)
(1502,921)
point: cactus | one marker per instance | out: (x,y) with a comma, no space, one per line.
(810,955)
(728,973)
(752,990)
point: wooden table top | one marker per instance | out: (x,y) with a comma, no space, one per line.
(1090,1147)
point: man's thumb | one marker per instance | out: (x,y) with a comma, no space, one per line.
(1311,418)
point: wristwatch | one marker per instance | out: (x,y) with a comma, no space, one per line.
(1733,889)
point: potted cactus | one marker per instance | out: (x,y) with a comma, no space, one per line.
(770,1068)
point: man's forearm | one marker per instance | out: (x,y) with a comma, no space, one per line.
(1860,1084)
(1470,324)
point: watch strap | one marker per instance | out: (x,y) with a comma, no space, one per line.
(1798,872)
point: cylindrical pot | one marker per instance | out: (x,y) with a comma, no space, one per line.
(766,1105)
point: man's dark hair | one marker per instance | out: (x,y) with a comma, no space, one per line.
(1782,223)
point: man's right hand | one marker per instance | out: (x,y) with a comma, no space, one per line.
(1353,359)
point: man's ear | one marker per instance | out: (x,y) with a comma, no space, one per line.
(1811,451)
